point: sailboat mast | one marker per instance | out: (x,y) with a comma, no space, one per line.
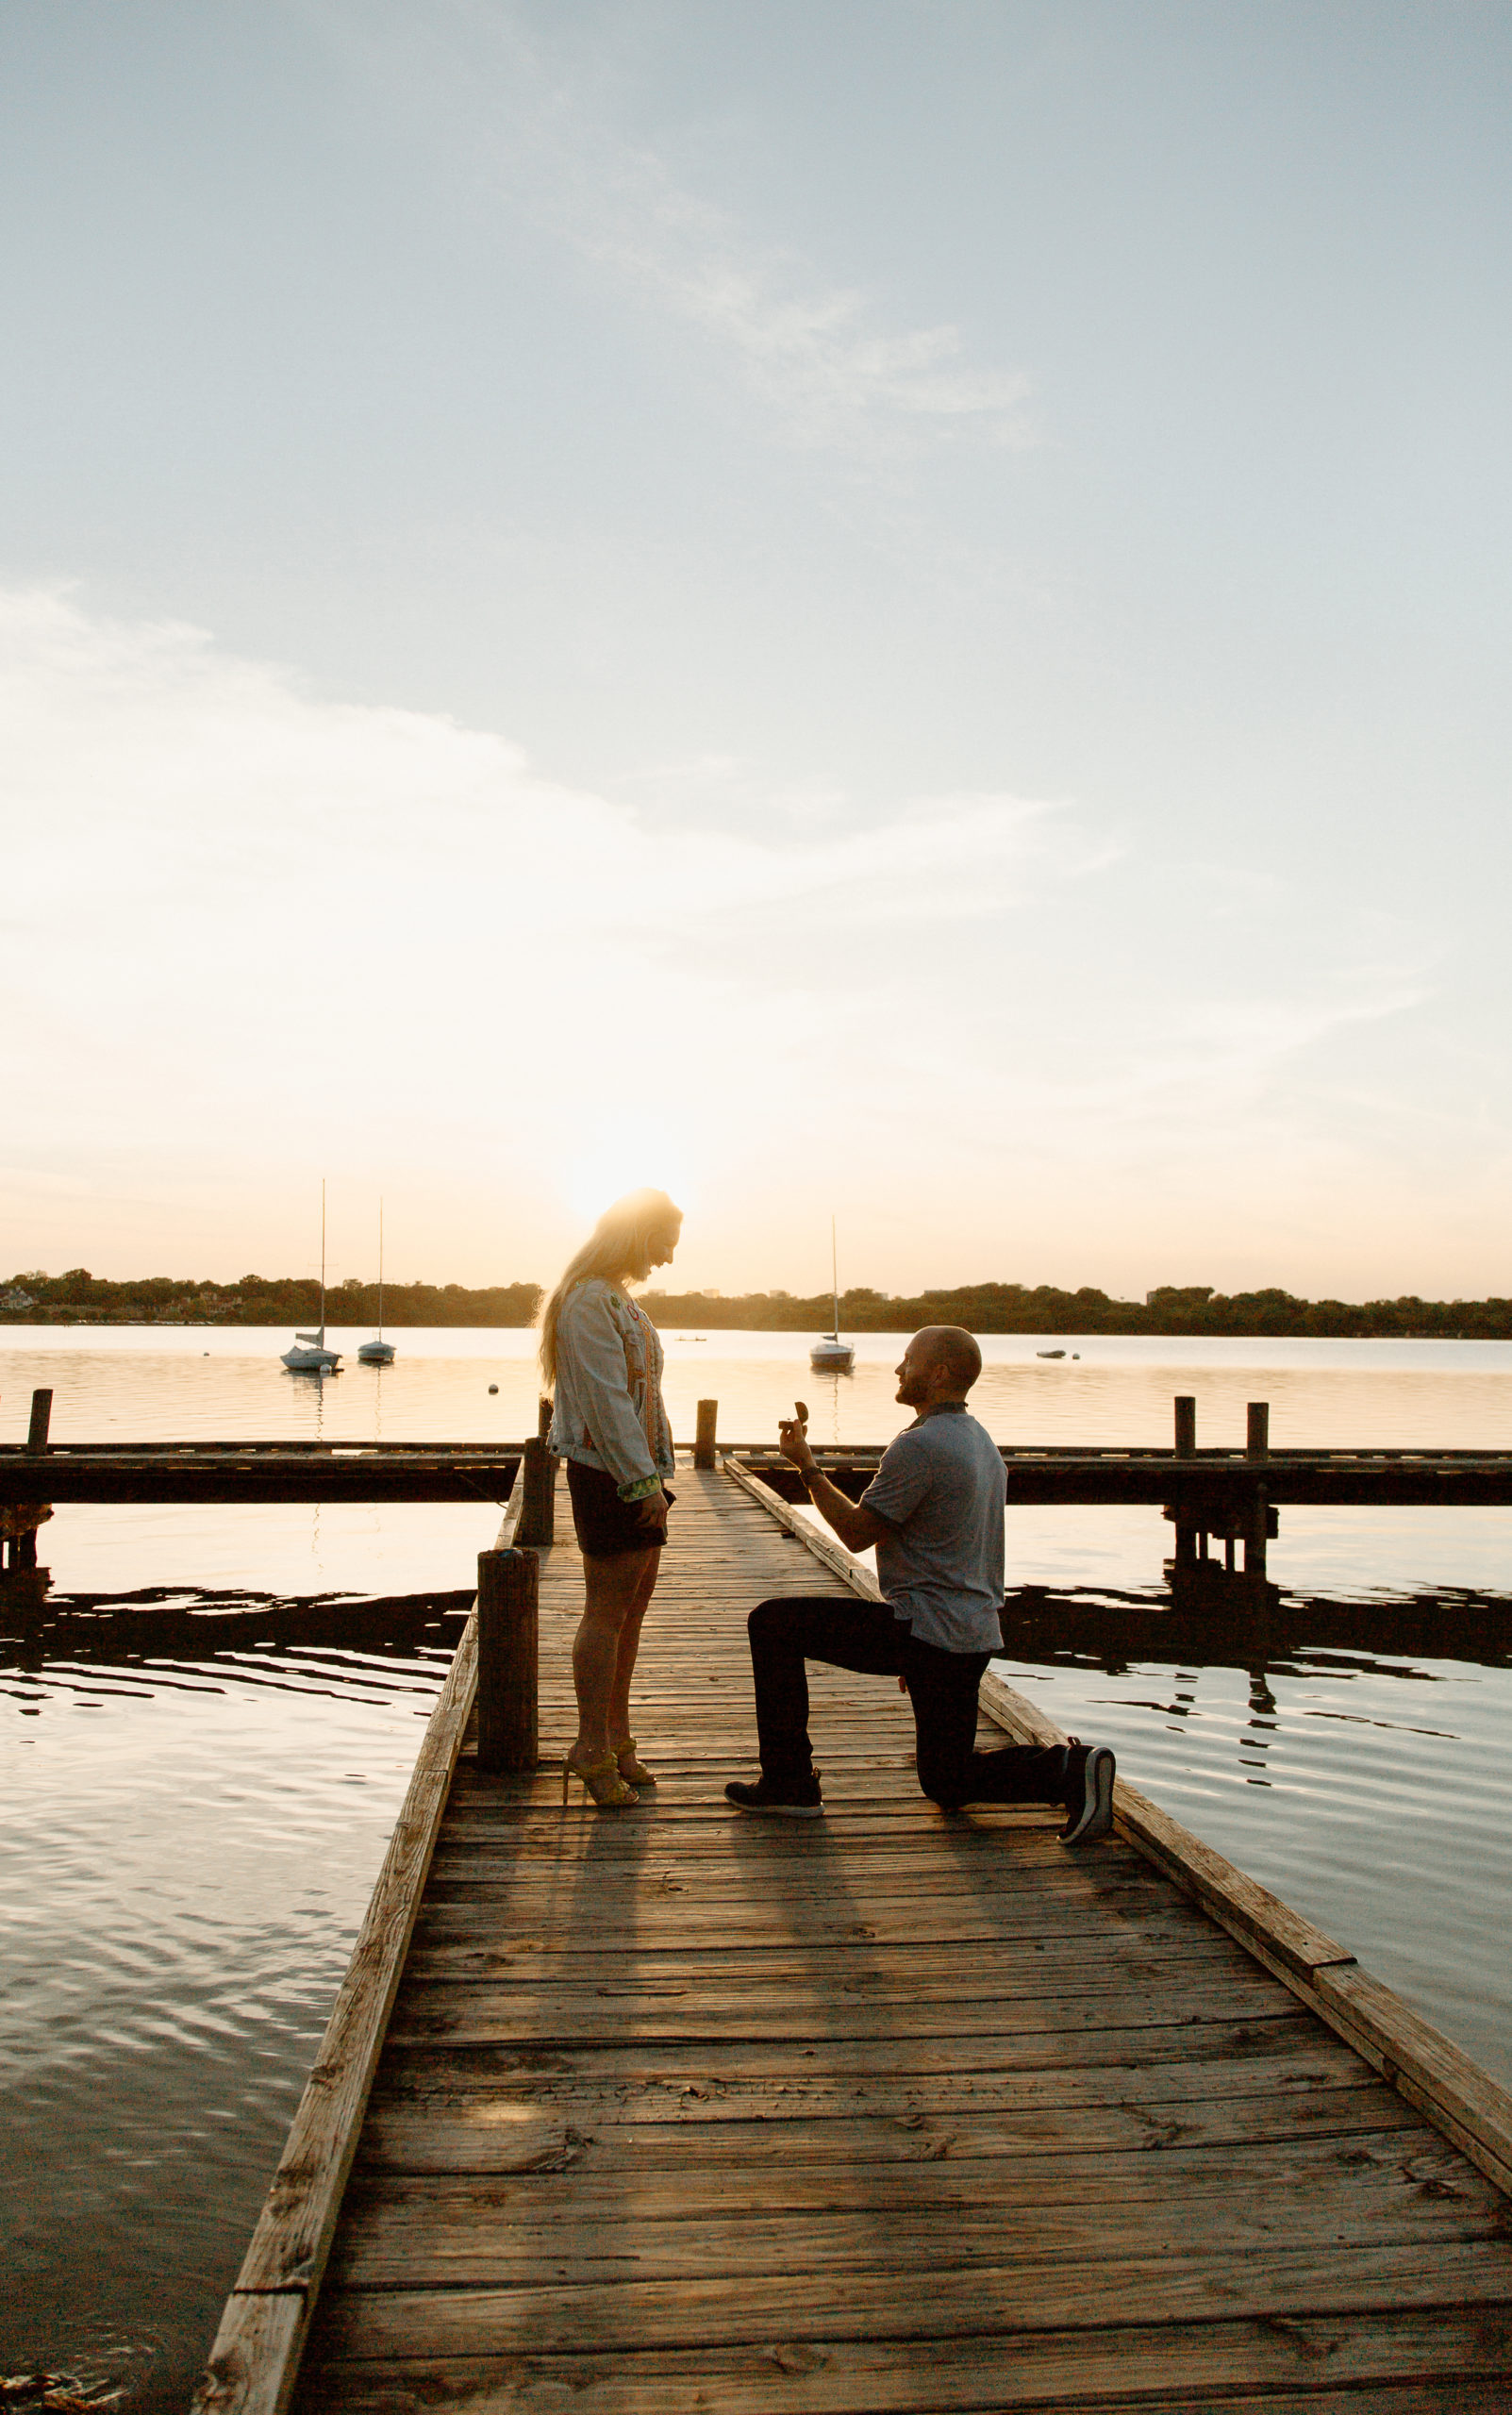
(380,1269)
(323,1261)
(835,1279)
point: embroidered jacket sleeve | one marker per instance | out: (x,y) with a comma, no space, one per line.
(590,1335)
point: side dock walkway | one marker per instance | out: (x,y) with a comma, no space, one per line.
(682,2111)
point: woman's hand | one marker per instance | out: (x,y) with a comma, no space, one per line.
(651,1512)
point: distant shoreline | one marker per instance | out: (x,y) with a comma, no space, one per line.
(1173,1311)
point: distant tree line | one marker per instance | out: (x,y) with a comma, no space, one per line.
(81,1298)
(1016,1307)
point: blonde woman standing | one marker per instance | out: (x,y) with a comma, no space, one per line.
(602,1357)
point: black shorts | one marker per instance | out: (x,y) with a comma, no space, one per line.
(604,1525)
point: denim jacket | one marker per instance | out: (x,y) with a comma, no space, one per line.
(609,1411)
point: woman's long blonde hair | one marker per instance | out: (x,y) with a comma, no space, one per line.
(617,1242)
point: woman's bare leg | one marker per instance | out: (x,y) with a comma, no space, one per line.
(615,1589)
(619,1711)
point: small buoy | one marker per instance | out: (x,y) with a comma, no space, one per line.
(493,1388)
(204,1354)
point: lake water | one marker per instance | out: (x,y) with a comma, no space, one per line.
(191,1835)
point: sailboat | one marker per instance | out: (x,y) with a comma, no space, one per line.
(379,1353)
(830,1356)
(309,1355)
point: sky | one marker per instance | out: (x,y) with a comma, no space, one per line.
(864,608)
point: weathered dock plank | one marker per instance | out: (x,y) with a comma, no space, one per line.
(679,2109)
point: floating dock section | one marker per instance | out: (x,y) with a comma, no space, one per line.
(676,2110)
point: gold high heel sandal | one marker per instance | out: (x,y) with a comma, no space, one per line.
(637,1772)
(603,1781)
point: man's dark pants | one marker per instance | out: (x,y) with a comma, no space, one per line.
(941,1687)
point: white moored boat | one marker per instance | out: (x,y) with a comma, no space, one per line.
(378,1353)
(830,1356)
(309,1355)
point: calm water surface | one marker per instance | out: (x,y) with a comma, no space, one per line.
(191,1835)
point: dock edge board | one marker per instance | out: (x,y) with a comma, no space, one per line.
(254,2357)
(1437,2077)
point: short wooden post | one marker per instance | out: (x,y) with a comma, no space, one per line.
(23,1546)
(545,1412)
(1257,1430)
(1186,1448)
(537,1508)
(508,1659)
(708,1418)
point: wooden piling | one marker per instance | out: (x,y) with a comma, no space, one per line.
(708,1418)
(21,1549)
(1186,1448)
(1256,1534)
(508,1644)
(538,1480)
(1258,1446)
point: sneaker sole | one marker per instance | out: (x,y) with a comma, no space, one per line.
(1097,1809)
(778,1810)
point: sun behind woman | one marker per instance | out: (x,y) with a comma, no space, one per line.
(601,1358)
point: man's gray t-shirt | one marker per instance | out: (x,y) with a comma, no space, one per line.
(942,1488)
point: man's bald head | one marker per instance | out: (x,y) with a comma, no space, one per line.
(953,1352)
(940,1363)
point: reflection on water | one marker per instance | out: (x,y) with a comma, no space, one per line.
(188,1844)
(207,1717)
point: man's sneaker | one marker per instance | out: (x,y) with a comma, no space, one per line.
(799,1799)
(1089,1795)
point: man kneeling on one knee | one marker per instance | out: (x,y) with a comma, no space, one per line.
(935,1513)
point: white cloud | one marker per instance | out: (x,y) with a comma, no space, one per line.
(543,122)
(254,932)
(818,355)
(234,870)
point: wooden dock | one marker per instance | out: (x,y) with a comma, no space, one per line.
(224,1473)
(1221,1482)
(1232,1496)
(680,2110)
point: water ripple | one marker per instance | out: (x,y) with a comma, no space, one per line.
(186,1850)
